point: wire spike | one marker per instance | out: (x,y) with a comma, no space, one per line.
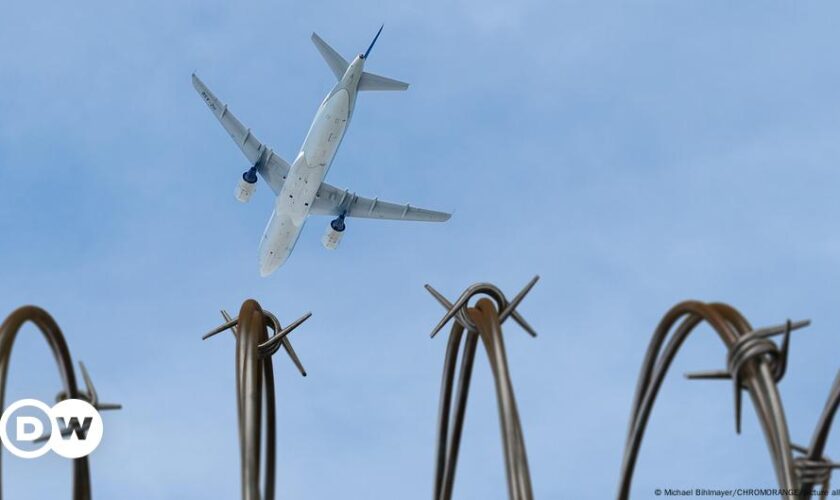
(439,296)
(294,324)
(93,397)
(287,344)
(271,345)
(227,317)
(229,324)
(708,375)
(109,406)
(781,364)
(449,315)
(451,308)
(737,386)
(799,448)
(524,324)
(516,300)
(774,330)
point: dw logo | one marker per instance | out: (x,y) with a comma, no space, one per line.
(75,428)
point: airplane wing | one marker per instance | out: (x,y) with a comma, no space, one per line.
(271,167)
(333,201)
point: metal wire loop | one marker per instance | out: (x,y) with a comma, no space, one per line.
(55,338)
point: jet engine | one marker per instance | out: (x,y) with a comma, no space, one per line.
(335,231)
(247,185)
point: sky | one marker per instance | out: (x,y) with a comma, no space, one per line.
(632,154)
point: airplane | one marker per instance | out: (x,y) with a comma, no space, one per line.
(299,187)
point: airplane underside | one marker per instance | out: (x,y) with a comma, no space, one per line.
(299,188)
(278,241)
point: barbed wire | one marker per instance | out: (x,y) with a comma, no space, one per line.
(753,363)
(255,385)
(483,321)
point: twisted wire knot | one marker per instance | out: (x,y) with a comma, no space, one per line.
(89,394)
(278,338)
(813,471)
(754,346)
(458,309)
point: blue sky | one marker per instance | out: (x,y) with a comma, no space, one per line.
(634,154)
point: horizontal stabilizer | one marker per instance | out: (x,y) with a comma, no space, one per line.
(370,81)
(337,64)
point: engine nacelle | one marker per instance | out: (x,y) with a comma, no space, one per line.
(332,237)
(246,187)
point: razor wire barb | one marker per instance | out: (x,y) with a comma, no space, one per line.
(58,345)
(755,363)
(255,381)
(482,321)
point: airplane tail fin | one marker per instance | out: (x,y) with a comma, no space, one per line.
(370,81)
(337,64)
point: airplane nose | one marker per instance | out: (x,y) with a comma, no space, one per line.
(266,266)
(269,262)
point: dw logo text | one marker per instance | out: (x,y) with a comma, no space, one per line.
(75,428)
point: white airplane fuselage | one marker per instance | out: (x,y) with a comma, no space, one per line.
(292,206)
